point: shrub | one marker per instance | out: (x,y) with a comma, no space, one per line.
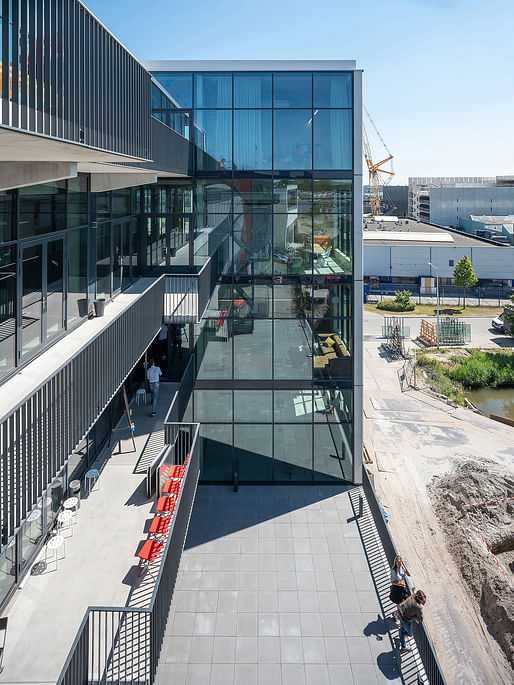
(394,306)
(403,298)
(484,369)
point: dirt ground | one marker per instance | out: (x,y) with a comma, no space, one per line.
(413,438)
(481,538)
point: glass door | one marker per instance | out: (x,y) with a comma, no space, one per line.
(42,297)
(177,239)
(120,254)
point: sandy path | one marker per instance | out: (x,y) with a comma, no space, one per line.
(411,438)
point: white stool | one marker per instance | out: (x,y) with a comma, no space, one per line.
(141,397)
(91,478)
(53,545)
(65,517)
(72,504)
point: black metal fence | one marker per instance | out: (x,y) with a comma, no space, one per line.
(423,642)
(64,75)
(123,644)
(493,295)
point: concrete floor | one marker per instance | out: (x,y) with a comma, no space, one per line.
(274,588)
(100,566)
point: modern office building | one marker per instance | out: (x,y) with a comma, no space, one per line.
(223,197)
(498,228)
(394,200)
(445,201)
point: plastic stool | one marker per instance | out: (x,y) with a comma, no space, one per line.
(141,397)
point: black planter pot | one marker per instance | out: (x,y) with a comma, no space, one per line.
(100,307)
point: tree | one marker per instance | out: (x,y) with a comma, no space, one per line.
(464,276)
(508,316)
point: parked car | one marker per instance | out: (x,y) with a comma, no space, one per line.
(499,324)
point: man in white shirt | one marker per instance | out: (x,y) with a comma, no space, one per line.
(153,373)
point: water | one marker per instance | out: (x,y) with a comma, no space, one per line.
(499,401)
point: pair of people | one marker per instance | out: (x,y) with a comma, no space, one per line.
(408,609)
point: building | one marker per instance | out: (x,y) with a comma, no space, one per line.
(394,200)
(223,197)
(400,252)
(445,201)
(499,228)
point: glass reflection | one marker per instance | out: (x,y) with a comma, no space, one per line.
(6,223)
(213,196)
(32,298)
(333,90)
(253,406)
(213,90)
(252,90)
(252,139)
(213,138)
(252,244)
(292,90)
(179,87)
(253,450)
(332,197)
(332,139)
(213,347)
(292,146)
(252,345)
(293,452)
(103,260)
(55,288)
(7,309)
(292,352)
(292,243)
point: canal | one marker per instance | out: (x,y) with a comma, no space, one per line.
(499,401)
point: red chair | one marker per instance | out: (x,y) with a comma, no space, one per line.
(159,525)
(176,471)
(171,487)
(166,505)
(148,553)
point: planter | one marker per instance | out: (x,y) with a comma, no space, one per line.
(83,308)
(100,307)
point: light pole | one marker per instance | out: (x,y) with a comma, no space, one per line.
(437,297)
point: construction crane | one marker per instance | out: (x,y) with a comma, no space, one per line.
(375,168)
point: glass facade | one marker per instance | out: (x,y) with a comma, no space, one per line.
(273,209)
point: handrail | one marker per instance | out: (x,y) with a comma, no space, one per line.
(424,643)
(79,667)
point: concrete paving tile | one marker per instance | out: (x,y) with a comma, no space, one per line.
(282,530)
(185,600)
(305,580)
(322,562)
(348,601)
(304,562)
(293,674)
(364,674)
(249,562)
(354,546)
(226,624)
(328,602)
(316,532)
(336,650)
(268,580)
(228,600)
(302,546)
(344,580)
(268,674)
(183,623)
(267,561)
(314,650)
(179,650)
(316,674)
(359,650)
(248,601)
(286,580)
(267,546)
(245,674)
(229,580)
(248,580)
(268,624)
(363,581)
(354,623)
(314,516)
(285,562)
(246,650)
(221,674)
(368,601)
(310,624)
(288,600)
(340,674)
(201,650)
(358,563)
(210,580)
(381,649)
(289,624)
(325,581)
(291,649)
(230,562)
(299,530)
(340,562)
(308,600)
(207,600)
(198,674)
(247,624)
(332,625)
(336,545)
(204,623)
(268,650)
(192,561)
(285,545)
(173,673)
(268,600)
(224,650)
(388,675)
(232,545)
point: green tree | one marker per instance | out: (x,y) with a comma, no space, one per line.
(464,276)
(403,298)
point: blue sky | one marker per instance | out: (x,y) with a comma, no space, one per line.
(438,74)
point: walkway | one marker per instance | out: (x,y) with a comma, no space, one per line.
(100,567)
(274,588)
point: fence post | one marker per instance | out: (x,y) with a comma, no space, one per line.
(499,303)
(479,296)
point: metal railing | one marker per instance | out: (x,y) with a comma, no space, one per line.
(186,296)
(64,75)
(123,644)
(423,642)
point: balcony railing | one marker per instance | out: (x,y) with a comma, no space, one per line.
(123,644)
(64,75)
(186,296)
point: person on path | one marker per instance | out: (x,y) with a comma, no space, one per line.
(399,590)
(153,373)
(177,342)
(411,609)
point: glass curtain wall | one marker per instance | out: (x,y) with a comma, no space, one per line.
(273,208)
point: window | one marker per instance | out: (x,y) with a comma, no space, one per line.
(450,262)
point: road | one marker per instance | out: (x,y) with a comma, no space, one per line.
(413,437)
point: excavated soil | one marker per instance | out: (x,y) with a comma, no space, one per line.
(491,584)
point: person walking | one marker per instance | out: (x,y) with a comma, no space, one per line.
(399,590)
(411,609)
(153,373)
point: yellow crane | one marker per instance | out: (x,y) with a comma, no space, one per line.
(375,168)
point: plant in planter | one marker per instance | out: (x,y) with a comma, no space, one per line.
(401,303)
